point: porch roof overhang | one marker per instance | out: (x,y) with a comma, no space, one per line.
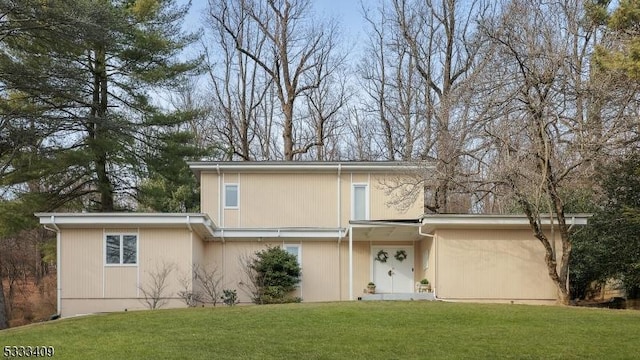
(197,222)
(433,222)
(386,230)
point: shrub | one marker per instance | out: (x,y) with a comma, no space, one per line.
(274,275)
(229,297)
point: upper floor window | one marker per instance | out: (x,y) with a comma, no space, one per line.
(121,249)
(360,202)
(231,196)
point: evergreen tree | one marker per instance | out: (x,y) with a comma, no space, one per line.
(609,248)
(81,73)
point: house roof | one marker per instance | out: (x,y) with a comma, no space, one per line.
(432,222)
(200,223)
(399,229)
(306,166)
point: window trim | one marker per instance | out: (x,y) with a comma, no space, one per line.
(121,247)
(366,200)
(299,255)
(224,196)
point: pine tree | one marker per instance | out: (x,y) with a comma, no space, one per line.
(85,71)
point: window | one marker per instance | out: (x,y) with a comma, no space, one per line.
(359,202)
(294,249)
(121,249)
(231,196)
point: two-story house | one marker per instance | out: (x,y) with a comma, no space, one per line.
(348,223)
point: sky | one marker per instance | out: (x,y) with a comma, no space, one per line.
(347,12)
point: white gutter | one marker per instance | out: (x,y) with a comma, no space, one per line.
(280,233)
(302,166)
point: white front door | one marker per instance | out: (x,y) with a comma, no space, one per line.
(395,275)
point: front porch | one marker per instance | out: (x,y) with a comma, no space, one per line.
(391,256)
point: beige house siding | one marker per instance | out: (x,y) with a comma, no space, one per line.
(361,267)
(387,202)
(314,199)
(210,201)
(121,282)
(287,200)
(93,305)
(320,271)
(486,264)
(87,283)
(463,265)
(319,266)
(81,263)
(160,248)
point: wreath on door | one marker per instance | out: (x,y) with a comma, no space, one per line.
(400,255)
(382,256)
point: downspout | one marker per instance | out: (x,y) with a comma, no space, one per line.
(350,264)
(219,196)
(189,224)
(339,232)
(573,222)
(339,197)
(191,255)
(435,267)
(340,259)
(58,282)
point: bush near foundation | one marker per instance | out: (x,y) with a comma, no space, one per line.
(275,275)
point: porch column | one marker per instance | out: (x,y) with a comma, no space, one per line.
(350,263)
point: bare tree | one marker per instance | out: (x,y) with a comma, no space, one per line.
(449,55)
(251,283)
(188,293)
(396,93)
(543,146)
(326,106)
(296,53)
(238,85)
(154,294)
(209,280)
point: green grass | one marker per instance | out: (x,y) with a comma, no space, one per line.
(353,330)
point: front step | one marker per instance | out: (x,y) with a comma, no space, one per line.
(398,296)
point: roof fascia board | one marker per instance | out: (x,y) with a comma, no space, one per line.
(369,224)
(205,225)
(294,166)
(280,233)
(435,221)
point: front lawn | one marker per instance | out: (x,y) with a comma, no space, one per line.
(348,330)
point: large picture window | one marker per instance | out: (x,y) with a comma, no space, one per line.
(121,249)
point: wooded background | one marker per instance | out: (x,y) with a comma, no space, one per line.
(521,106)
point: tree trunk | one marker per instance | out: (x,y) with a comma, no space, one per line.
(287,131)
(98,144)
(4,321)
